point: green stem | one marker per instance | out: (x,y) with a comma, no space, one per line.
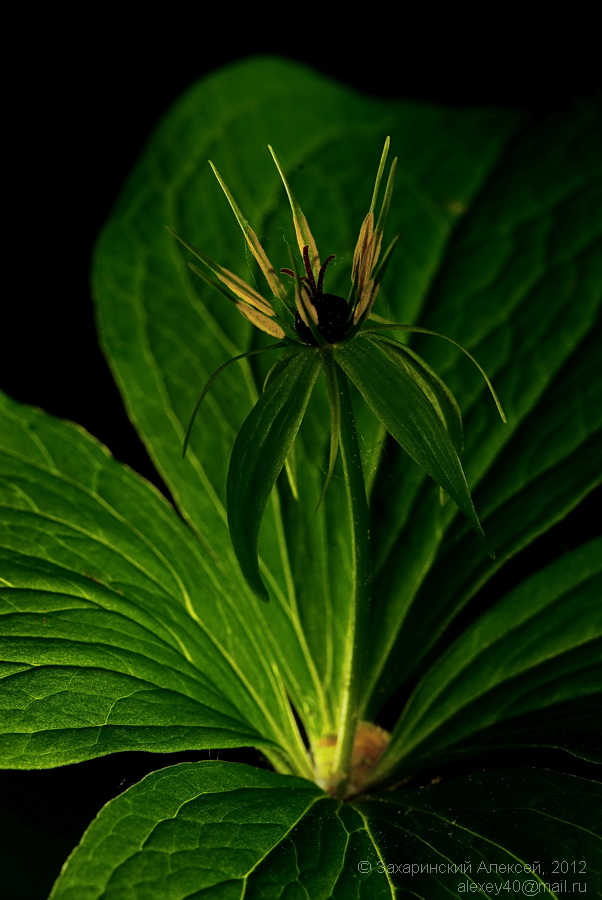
(354,663)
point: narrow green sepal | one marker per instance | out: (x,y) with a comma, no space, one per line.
(442,400)
(260,450)
(398,400)
(379,174)
(290,463)
(400,326)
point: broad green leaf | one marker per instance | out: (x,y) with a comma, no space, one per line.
(321,571)
(401,402)
(259,452)
(495,826)
(499,227)
(222,830)
(551,463)
(165,332)
(128,630)
(528,667)
(119,631)
(519,286)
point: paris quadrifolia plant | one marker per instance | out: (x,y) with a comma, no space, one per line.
(320,333)
(311,604)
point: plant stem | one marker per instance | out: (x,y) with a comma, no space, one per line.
(353,666)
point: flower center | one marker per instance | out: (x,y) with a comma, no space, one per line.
(332,311)
(333,315)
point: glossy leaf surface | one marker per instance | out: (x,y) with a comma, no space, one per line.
(128,625)
(117,628)
(527,671)
(499,231)
(259,453)
(403,401)
(221,830)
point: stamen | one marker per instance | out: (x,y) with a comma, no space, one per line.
(287,272)
(310,274)
(322,271)
(310,290)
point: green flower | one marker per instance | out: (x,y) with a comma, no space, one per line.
(317,318)
(326,334)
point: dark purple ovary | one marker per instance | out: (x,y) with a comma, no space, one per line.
(333,314)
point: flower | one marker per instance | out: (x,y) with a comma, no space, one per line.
(317,318)
(325,334)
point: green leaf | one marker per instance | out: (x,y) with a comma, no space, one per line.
(436,391)
(494,826)
(500,225)
(518,284)
(259,452)
(119,631)
(321,569)
(164,332)
(187,830)
(525,670)
(222,830)
(403,401)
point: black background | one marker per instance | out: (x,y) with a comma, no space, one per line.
(82,100)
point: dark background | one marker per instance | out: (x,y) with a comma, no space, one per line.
(83,99)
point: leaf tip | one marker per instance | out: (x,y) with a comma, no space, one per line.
(488,548)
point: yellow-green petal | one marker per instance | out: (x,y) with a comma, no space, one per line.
(302,229)
(276,286)
(261,321)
